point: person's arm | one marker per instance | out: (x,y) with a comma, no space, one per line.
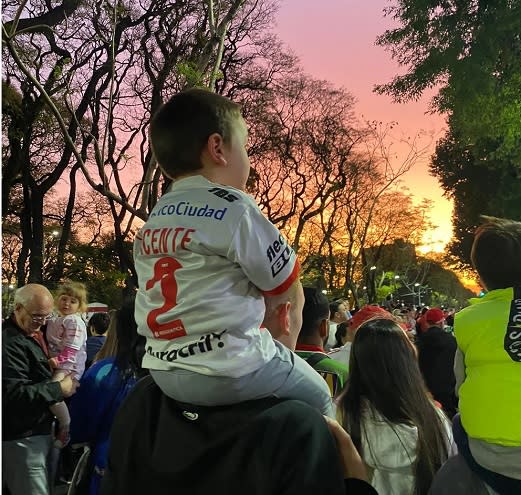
(269,262)
(352,464)
(354,469)
(459,369)
(19,388)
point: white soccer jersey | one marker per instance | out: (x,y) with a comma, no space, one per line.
(204,258)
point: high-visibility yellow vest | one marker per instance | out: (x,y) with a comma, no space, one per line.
(490,397)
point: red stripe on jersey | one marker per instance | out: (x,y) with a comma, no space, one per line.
(286,284)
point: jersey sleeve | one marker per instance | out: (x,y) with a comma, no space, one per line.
(263,253)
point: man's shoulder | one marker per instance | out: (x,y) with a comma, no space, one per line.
(304,354)
(210,431)
(10,332)
(321,361)
(332,365)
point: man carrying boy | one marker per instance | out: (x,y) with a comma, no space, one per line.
(213,271)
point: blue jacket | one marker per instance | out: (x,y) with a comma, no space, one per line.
(93,407)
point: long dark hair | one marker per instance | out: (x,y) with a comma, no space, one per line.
(383,371)
(130,345)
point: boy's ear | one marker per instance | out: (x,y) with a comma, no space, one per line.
(215,149)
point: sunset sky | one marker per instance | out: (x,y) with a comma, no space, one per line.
(335,40)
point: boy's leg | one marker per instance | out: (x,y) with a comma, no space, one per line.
(286,376)
(61,411)
(499,483)
(456,478)
(303,382)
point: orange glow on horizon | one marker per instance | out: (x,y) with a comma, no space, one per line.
(343,51)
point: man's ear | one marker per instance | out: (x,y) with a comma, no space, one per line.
(215,149)
(283,317)
(276,320)
(324,329)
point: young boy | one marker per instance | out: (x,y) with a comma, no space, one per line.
(488,360)
(212,270)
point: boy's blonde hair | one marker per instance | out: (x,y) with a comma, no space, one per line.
(74,289)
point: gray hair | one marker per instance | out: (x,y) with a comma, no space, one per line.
(26,294)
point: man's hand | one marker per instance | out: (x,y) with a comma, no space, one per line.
(62,437)
(69,385)
(352,464)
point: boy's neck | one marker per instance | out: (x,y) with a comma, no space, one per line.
(207,174)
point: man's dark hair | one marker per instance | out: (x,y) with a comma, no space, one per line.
(333,307)
(340,334)
(180,129)
(316,309)
(496,253)
(99,322)
(131,345)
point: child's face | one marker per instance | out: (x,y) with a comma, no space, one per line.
(238,163)
(67,305)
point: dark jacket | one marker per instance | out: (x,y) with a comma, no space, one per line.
(436,351)
(262,447)
(94,344)
(27,390)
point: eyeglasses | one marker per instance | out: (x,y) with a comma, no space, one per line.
(38,318)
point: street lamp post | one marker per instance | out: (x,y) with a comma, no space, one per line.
(372,283)
(396,278)
(419,293)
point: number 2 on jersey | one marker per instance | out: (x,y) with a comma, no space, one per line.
(164,274)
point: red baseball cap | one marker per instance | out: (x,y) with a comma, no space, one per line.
(366,313)
(434,315)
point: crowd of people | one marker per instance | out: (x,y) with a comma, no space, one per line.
(225,374)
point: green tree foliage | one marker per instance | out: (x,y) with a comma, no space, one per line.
(96,265)
(471,51)
(478,186)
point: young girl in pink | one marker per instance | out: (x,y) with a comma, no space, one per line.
(67,337)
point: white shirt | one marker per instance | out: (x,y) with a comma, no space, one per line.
(389,450)
(204,259)
(341,354)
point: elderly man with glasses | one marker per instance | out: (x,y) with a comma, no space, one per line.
(27,393)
